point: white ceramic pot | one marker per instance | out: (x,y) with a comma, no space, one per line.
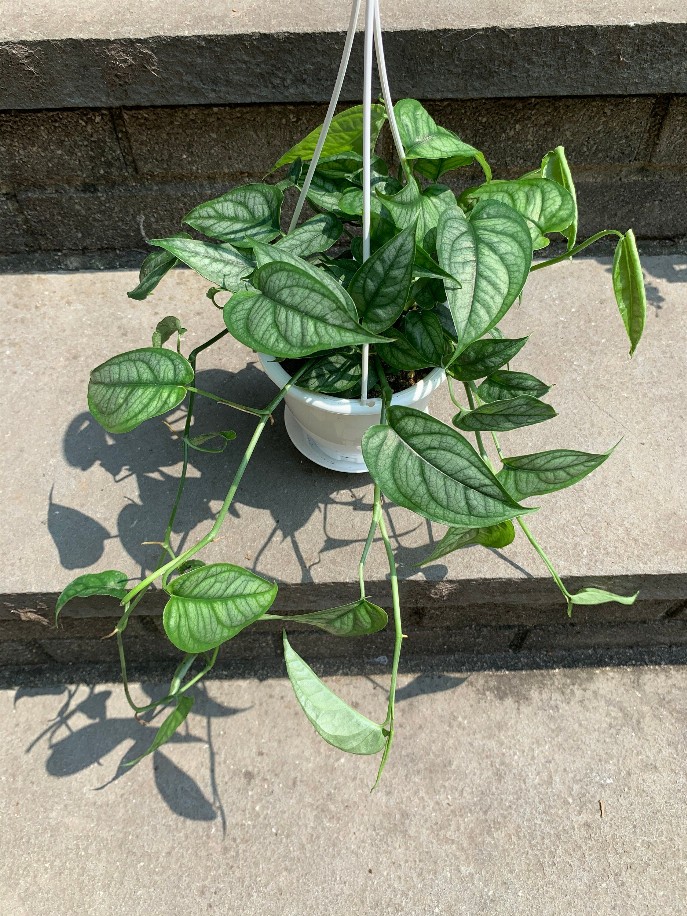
(329,430)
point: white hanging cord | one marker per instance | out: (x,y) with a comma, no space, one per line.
(386,93)
(343,67)
(370,8)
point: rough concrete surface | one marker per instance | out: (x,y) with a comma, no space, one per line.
(556,793)
(75,499)
(62,55)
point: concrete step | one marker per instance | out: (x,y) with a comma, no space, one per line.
(75,499)
(113,125)
(513,794)
(62,54)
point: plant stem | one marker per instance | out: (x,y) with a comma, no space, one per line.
(478,435)
(221,515)
(577,248)
(368,542)
(549,565)
(398,642)
(256,411)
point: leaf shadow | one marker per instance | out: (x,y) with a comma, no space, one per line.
(82,735)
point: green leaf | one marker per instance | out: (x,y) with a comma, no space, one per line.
(490,255)
(502,416)
(165,329)
(171,724)
(412,206)
(419,343)
(345,135)
(547,472)
(628,285)
(251,211)
(424,465)
(493,536)
(295,311)
(198,442)
(153,269)
(424,265)
(598,596)
(483,357)
(341,269)
(332,719)
(109,582)
(555,166)
(326,193)
(222,265)
(314,235)
(423,139)
(381,286)
(546,205)
(336,374)
(213,603)
(272,254)
(360,618)
(504,384)
(135,386)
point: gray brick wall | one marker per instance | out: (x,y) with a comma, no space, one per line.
(97,181)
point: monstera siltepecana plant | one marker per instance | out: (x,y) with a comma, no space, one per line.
(425,304)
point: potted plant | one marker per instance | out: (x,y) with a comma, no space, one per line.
(393,288)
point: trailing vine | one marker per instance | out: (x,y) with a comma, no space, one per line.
(424,287)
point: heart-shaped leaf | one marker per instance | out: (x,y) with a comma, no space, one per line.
(213,603)
(490,255)
(165,329)
(423,139)
(483,357)
(174,720)
(135,386)
(494,536)
(251,211)
(628,285)
(412,206)
(424,465)
(153,269)
(295,311)
(332,719)
(504,384)
(381,286)
(345,134)
(419,343)
(222,265)
(361,618)
(545,205)
(502,416)
(555,166)
(547,472)
(314,235)
(109,582)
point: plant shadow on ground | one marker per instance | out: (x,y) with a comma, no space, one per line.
(278,481)
(289,488)
(82,735)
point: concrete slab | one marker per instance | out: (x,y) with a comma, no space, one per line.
(67,54)
(556,793)
(75,499)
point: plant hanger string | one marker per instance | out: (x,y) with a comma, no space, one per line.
(372,41)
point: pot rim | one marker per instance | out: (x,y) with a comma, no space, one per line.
(354,407)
